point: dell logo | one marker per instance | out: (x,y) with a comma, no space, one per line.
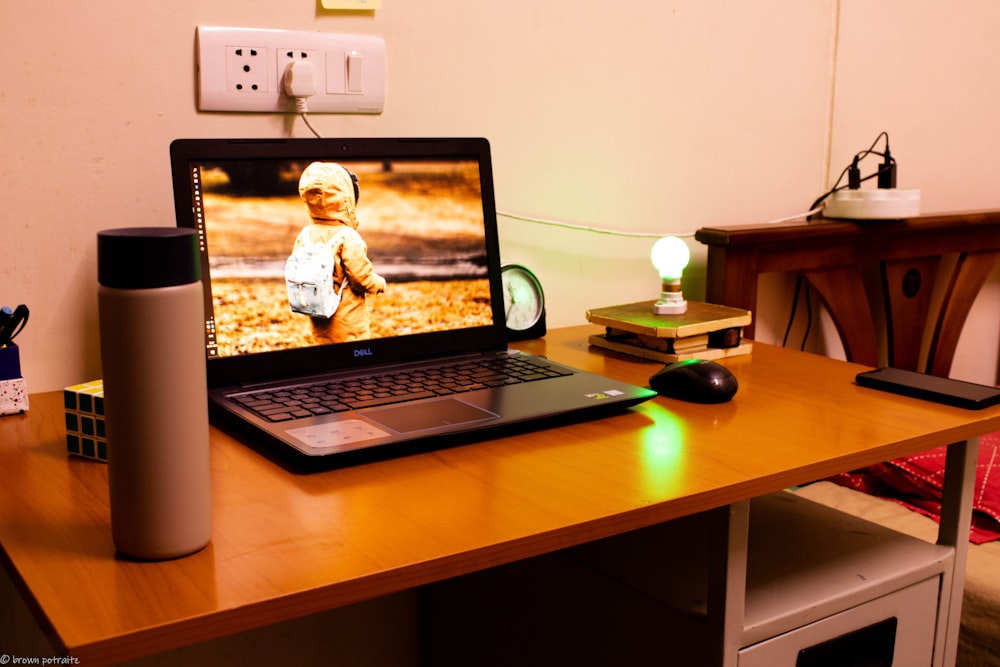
(363,352)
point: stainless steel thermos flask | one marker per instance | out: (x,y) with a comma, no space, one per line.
(151,313)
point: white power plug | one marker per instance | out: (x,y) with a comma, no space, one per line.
(299,82)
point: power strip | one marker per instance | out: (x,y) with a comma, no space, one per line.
(877,204)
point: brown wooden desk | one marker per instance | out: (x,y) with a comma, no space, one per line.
(286,546)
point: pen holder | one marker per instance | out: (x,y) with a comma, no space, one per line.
(13,388)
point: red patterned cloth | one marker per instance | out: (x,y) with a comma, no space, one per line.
(917,481)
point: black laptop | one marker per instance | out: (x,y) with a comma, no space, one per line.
(425,362)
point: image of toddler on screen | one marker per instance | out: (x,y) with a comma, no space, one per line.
(331,249)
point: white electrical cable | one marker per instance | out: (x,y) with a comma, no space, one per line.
(305,119)
(617,232)
(299,82)
(798,216)
(581,228)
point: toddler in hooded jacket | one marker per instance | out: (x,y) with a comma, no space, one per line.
(330,194)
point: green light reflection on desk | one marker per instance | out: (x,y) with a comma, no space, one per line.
(662,454)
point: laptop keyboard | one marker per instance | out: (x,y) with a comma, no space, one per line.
(327,397)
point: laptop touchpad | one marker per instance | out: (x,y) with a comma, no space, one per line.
(426,415)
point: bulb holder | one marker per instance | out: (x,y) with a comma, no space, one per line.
(671,299)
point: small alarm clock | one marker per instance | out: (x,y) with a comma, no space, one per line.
(523,303)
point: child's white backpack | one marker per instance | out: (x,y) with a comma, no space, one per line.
(309,277)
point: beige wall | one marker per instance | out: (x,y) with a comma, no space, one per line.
(638,116)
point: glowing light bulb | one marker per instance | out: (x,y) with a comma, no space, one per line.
(670,256)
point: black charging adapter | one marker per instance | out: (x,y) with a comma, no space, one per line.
(854,175)
(887,170)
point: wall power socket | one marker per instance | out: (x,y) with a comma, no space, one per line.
(240,69)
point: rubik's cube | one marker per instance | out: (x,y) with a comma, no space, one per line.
(85,434)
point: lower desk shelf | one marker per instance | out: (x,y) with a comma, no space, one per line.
(813,574)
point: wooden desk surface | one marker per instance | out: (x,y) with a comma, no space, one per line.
(288,545)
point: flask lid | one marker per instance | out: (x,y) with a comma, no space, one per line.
(147,257)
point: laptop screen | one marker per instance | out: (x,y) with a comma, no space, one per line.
(404,233)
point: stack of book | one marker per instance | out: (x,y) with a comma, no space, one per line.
(705,331)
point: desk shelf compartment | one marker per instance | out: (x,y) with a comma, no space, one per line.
(806,565)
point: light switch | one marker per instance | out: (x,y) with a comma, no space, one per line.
(355,72)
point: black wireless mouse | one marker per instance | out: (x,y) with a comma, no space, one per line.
(695,380)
